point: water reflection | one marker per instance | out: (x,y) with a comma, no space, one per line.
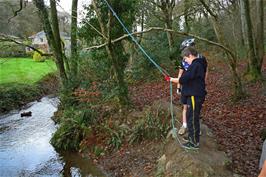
(75,165)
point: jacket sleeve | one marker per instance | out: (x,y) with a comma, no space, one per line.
(191,74)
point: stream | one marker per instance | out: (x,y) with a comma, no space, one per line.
(25,149)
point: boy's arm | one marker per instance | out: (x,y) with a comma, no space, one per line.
(180,72)
(192,73)
(188,75)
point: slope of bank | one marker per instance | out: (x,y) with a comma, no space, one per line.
(165,157)
(15,95)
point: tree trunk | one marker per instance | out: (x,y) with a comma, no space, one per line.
(51,38)
(118,68)
(254,72)
(232,60)
(167,9)
(168,25)
(231,57)
(237,83)
(243,23)
(74,52)
(260,32)
(186,6)
(57,45)
(111,51)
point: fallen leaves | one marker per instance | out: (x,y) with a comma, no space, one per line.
(236,126)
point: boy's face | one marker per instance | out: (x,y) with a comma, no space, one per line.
(189,59)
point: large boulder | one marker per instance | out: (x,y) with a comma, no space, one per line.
(208,161)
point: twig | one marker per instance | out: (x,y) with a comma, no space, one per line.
(17,11)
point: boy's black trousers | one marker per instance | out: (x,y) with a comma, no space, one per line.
(193,117)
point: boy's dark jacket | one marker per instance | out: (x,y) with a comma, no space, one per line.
(193,80)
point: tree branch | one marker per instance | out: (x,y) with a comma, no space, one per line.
(166,30)
(86,21)
(156,4)
(7,38)
(208,9)
(17,11)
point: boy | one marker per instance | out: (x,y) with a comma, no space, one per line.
(183,68)
(193,83)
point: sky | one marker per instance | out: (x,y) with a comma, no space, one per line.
(66,5)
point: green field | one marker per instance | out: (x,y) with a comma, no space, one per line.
(24,70)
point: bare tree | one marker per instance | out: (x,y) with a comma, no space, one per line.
(253,66)
(259,33)
(117,64)
(67,66)
(19,18)
(216,20)
(166,6)
(74,53)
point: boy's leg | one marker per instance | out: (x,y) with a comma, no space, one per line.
(183,128)
(193,112)
(184,115)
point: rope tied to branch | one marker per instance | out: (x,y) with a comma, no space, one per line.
(162,71)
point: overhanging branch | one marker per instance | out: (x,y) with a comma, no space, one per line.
(7,38)
(208,9)
(166,30)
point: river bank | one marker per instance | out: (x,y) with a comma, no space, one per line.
(15,95)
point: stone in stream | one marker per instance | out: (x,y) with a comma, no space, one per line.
(25,114)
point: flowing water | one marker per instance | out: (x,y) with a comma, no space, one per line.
(25,149)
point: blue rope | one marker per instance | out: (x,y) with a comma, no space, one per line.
(174,130)
(155,64)
(134,39)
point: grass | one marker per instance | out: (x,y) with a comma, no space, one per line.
(24,70)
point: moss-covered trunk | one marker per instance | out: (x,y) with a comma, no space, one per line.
(52,33)
(74,51)
(254,69)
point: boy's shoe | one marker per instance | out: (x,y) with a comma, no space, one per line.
(186,139)
(182,130)
(191,146)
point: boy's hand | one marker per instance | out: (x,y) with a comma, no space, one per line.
(167,78)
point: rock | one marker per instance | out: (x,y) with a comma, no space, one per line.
(161,165)
(206,162)
(168,165)
(172,133)
(162,160)
(25,114)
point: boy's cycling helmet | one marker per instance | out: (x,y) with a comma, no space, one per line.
(186,43)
